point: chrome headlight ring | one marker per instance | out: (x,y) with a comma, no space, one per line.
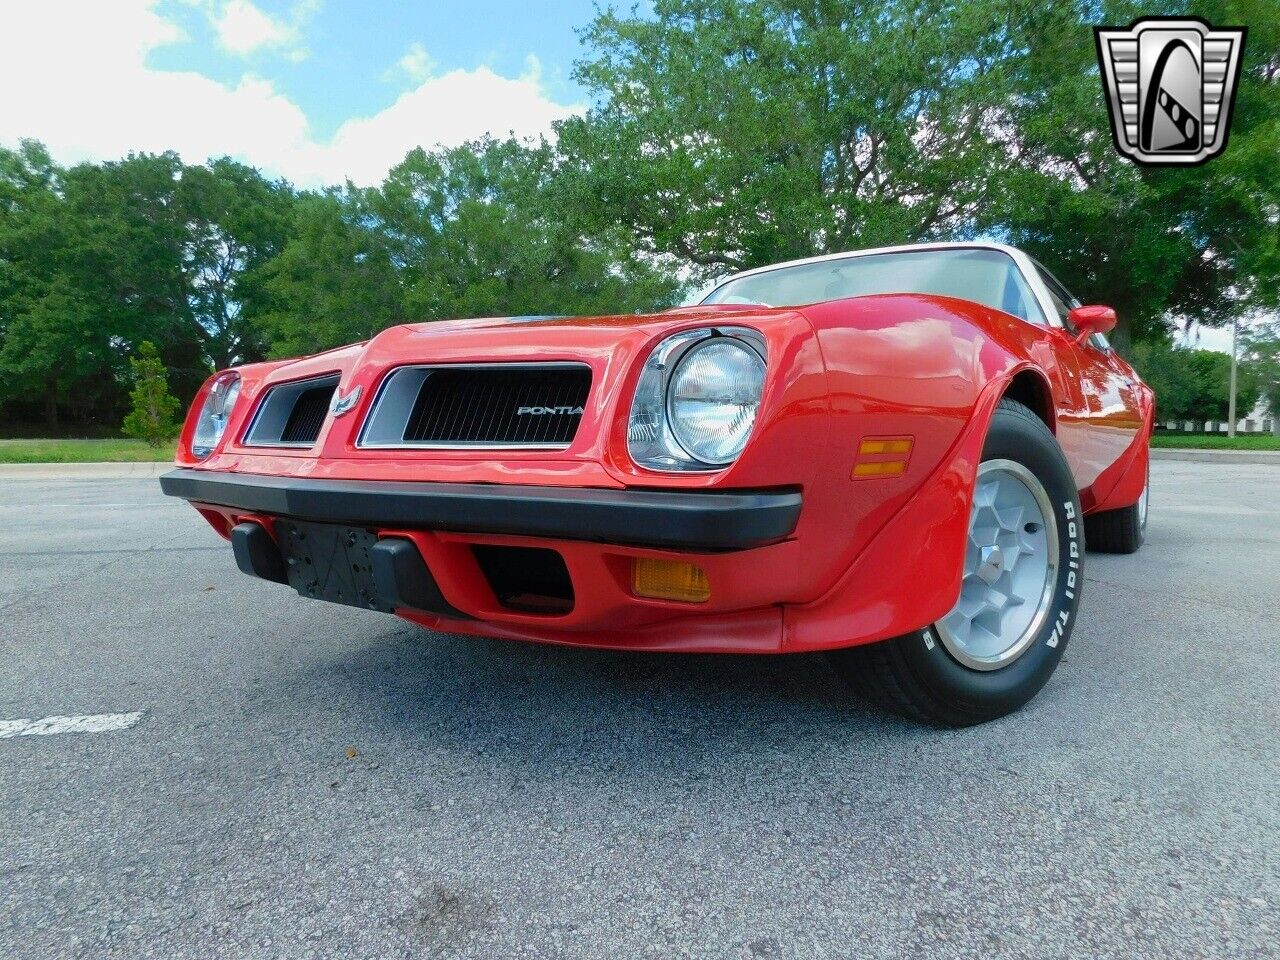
(219,401)
(697,399)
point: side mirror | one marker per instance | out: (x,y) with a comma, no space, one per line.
(1091,320)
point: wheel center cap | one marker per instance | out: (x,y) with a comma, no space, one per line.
(991,565)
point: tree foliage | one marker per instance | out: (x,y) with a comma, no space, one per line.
(733,133)
(468,232)
(724,134)
(334,282)
(1155,243)
(216,265)
(1194,384)
(153,417)
(97,258)
(1260,346)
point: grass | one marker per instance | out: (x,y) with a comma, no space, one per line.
(1216,441)
(135,451)
(81,451)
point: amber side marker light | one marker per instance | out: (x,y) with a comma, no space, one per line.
(669,580)
(882,457)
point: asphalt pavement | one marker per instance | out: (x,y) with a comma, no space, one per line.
(308,780)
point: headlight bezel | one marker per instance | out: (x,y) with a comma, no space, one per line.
(653,442)
(218,403)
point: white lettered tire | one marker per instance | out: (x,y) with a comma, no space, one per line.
(1022,580)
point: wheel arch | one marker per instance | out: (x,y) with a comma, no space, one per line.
(874,600)
(1029,387)
(941,370)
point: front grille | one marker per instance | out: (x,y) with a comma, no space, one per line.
(309,411)
(291,414)
(496,405)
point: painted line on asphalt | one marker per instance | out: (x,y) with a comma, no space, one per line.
(48,726)
(219,548)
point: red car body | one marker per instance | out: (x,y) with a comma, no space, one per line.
(869,555)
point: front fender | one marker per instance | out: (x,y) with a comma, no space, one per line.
(909,574)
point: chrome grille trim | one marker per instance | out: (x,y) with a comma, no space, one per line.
(278,414)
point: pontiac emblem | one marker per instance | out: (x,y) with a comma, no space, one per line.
(548,411)
(1170,84)
(340,404)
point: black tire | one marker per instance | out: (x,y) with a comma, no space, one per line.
(1117,531)
(916,677)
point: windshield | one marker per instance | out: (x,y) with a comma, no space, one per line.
(989,277)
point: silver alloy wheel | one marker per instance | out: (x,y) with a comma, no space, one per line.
(1144,502)
(1010,569)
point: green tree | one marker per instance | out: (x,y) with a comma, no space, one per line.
(175,254)
(30,358)
(1168,372)
(1211,382)
(334,281)
(1200,242)
(477,232)
(100,257)
(236,222)
(471,231)
(124,229)
(734,133)
(153,417)
(1194,384)
(1260,350)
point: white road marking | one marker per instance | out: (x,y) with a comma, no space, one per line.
(47,726)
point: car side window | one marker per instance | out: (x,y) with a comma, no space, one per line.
(1064,302)
(1018,299)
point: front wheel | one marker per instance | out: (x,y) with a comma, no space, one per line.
(1018,598)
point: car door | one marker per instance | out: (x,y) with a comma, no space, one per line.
(1108,418)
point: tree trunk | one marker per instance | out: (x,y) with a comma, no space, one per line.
(51,408)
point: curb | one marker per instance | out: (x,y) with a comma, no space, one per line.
(81,471)
(1217,456)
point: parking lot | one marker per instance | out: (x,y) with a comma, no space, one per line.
(313,780)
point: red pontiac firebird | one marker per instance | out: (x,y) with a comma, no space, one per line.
(894,455)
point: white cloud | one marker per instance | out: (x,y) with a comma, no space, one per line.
(449,109)
(244,28)
(416,64)
(96,98)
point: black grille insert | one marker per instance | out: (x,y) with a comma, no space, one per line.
(499,405)
(307,416)
(291,414)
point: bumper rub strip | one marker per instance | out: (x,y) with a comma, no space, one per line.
(684,520)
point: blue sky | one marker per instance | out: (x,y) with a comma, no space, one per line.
(317,91)
(352,48)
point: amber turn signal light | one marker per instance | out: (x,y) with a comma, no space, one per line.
(873,445)
(884,468)
(882,457)
(669,580)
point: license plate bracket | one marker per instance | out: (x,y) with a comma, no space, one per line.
(326,561)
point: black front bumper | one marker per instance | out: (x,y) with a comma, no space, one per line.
(681,520)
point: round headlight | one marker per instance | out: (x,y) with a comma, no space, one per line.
(713,397)
(219,401)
